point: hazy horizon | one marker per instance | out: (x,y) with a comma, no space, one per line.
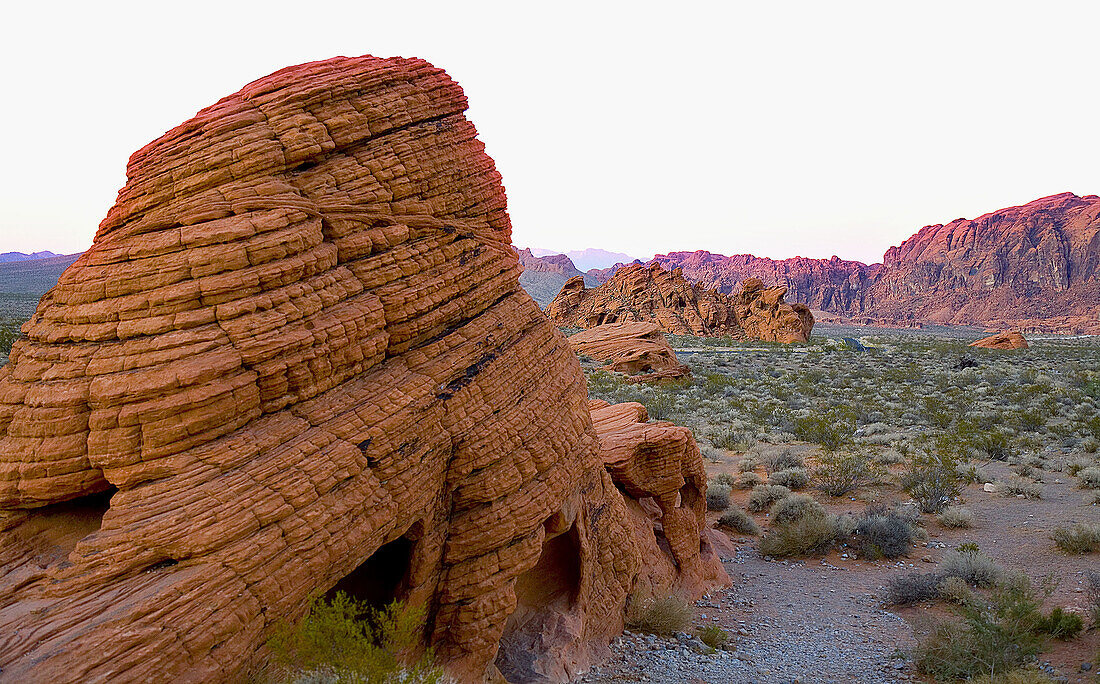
(796,130)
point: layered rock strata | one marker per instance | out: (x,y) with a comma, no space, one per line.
(296,358)
(650,293)
(639,350)
(1005,341)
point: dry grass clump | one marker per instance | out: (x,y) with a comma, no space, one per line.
(913,588)
(1089,478)
(1019,676)
(1079,539)
(1019,488)
(972,566)
(718,497)
(795,507)
(726,479)
(880,533)
(713,636)
(659,616)
(802,537)
(1092,592)
(791,478)
(765,495)
(956,517)
(955,590)
(783,459)
(748,464)
(739,521)
(749,480)
(1075,465)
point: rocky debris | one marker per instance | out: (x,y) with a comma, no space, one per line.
(639,350)
(297,357)
(1035,266)
(1005,340)
(645,293)
(764,315)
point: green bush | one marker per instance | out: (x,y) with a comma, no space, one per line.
(739,521)
(997,634)
(356,642)
(660,616)
(932,480)
(838,474)
(1079,539)
(713,636)
(1062,624)
(765,495)
(791,478)
(718,497)
(660,405)
(833,430)
(881,534)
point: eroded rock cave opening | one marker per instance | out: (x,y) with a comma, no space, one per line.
(50,533)
(546,596)
(383,577)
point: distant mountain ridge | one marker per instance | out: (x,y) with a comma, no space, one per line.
(1033,266)
(9,257)
(587,259)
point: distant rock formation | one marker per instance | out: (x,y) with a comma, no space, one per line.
(645,293)
(9,257)
(650,293)
(296,358)
(1031,266)
(763,315)
(1005,340)
(543,277)
(639,350)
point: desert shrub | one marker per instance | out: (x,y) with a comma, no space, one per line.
(748,464)
(954,590)
(660,616)
(765,495)
(997,634)
(1081,538)
(782,459)
(972,566)
(956,517)
(932,480)
(1062,624)
(968,473)
(913,588)
(1027,490)
(718,497)
(1077,464)
(739,521)
(791,478)
(994,445)
(660,405)
(804,536)
(356,642)
(1019,676)
(726,437)
(794,507)
(9,332)
(749,480)
(713,636)
(881,534)
(726,479)
(1089,478)
(833,430)
(838,474)
(1092,594)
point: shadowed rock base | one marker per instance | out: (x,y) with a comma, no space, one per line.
(296,353)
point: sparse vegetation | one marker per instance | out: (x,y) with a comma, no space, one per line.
(718,497)
(764,495)
(1078,539)
(972,566)
(350,641)
(660,616)
(791,478)
(795,507)
(838,474)
(713,636)
(913,588)
(956,517)
(739,521)
(932,479)
(1062,624)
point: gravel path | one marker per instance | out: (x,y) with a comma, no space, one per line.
(801,621)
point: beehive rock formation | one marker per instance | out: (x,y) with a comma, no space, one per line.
(764,315)
(296,356)
(1005,340)
(639,350)
(645,293)
(650,293)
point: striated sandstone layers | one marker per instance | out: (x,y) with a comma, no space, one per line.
(639,350)
(297,357)
(650,293)
(1005,340)
(645,293)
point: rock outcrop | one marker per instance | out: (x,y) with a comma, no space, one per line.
(650,293)
(1005,340)
(763,314)
(297,358)
(1035,266)
(645,293)
(543,277)
(639,350)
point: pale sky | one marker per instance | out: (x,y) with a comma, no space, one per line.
(772,128)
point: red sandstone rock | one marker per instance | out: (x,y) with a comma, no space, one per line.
(640,293)
(1005,340)
(297,345)
(639,350)
(764,315)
